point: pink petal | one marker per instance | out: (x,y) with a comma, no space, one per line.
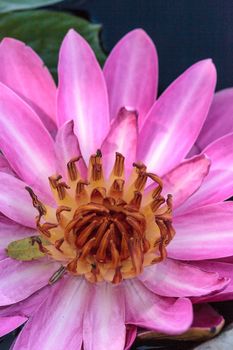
(8,324)
(15,201)
(131,333)
(5,166)
(58,322)
(148,310)
(131,74)
(224,270)
(10,231)
(122,138)
(66,148)
(82,93)
(204,233)
(104,322)
(25,73)
(20,279)
(219,121)
(186,178)
(175,120)
(24,140)
(172,278)
(27,307)
(218,185)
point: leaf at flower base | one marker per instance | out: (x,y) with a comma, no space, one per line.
(44,31)
(13,5)
(223,342)
(26,249)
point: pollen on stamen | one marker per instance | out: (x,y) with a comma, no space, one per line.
(101,228)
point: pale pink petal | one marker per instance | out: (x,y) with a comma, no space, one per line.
(11,231)
(218,184)
(219,121)
(148,310)
(204,233)
(58,322)
(25,73)
(173,278)
(8,324)
(185,179)
(5,166)
(19,279)
(122,138)
(104,319)
(175,120)
(27,307)
(131,74)
(224,270)
(15,201)
(66,148)
(24,140)
(82,93)
(131,333)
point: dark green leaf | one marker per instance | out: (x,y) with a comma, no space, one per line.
(44,30)
(12,5)
(26,249)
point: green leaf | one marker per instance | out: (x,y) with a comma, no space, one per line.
(44,31)
(12,5)
(26,249)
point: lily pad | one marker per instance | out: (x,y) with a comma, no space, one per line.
(12,5)
(26,249)
(44,31)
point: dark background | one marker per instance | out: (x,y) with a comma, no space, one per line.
(184,32)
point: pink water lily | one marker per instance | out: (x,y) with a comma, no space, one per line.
(130,230)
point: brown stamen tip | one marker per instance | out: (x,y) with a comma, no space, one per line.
(60,210)
(80,187)
(101,252)
(96,167)
(157,191)
(117,187)
(58,244)
(139,166)
(44,229)
(118,276)
(87,248)
(57,275)
(115,254)
(61,190)
(98,194)
(156,203)
(54,180)
(136,254)
(72,266)
(98,153)
(72,169)
(85,233)
(36,203)
(118,168)
(137,199)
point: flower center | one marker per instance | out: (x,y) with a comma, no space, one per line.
(105,230)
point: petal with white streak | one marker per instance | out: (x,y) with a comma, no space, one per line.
(104,320)
(82,93)
(173,278)
(148,310)
(204,233)
(175,120)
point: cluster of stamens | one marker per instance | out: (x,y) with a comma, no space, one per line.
(105,230)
